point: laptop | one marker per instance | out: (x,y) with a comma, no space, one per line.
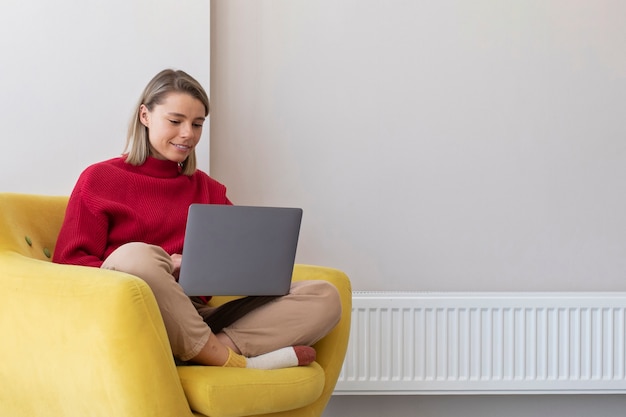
(239,250)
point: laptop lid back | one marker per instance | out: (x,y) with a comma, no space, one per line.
(239,250)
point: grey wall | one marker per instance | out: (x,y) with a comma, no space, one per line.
(434,145)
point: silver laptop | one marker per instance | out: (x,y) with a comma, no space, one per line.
(239,250)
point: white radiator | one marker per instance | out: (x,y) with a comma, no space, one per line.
(485,343)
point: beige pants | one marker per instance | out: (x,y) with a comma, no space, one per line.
(302,317)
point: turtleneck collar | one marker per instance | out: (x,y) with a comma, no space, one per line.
(158,168)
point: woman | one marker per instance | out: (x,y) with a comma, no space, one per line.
(128,214)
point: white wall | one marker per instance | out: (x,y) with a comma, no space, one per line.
(71,72)
(434,145)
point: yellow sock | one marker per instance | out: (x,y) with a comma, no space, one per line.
(235,360)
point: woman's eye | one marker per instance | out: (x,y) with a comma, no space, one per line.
(175,122)
(197,125)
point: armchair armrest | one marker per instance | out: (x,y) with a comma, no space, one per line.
(82,341)
(331,350)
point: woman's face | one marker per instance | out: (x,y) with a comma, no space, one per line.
(174,126)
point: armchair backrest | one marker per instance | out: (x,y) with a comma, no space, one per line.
(30,224)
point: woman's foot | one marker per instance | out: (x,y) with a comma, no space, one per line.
(282,358)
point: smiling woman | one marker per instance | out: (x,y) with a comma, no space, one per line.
(122,216)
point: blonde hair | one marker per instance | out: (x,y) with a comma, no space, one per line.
(165,82)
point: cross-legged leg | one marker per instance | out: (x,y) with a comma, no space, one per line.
(189,336)
(304,316)
(186,330)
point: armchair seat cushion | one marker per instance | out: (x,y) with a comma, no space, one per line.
(227,392)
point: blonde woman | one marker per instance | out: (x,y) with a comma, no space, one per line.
(128,214)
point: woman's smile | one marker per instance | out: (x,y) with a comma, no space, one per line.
(184,148)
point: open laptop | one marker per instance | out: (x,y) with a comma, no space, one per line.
(239,250)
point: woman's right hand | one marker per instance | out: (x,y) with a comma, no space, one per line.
(176,261)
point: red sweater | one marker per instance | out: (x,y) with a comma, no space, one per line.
(114,203)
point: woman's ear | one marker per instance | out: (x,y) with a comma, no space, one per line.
(144,115)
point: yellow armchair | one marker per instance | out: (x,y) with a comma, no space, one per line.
(80,341)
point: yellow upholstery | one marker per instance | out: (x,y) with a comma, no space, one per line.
(79,341)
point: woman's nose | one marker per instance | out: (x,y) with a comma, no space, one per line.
(186,130)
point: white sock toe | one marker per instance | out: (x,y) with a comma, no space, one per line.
(281,358)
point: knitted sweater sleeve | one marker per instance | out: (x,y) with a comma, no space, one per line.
(83,235)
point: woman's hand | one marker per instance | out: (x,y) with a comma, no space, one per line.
(176,260)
